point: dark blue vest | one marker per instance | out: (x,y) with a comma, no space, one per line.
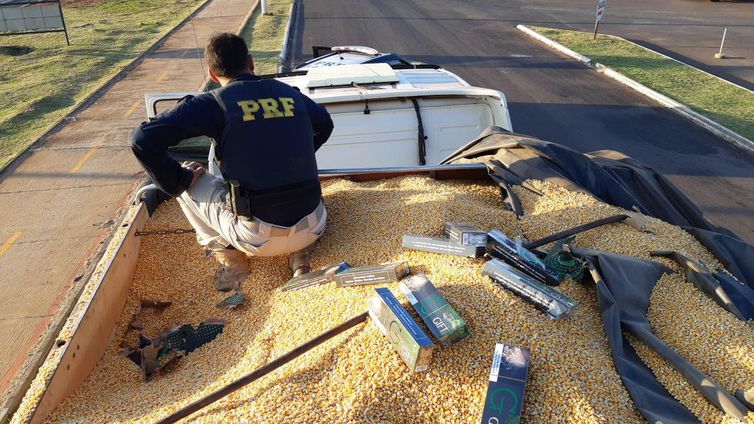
(268,147)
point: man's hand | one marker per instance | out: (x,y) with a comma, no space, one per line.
(196,168)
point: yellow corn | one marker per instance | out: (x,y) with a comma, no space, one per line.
(357,377)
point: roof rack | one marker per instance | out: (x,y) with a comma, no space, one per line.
(396,67)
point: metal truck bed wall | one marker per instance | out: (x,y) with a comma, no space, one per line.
(90,327)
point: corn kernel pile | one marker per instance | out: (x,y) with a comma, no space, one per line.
(358,377)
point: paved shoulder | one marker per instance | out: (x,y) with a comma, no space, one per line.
(59,204)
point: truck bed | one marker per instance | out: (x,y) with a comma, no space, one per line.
(358,377)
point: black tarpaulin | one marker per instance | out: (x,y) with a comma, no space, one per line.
(621,181)
(615,179)
(740,294)
(736,255)
(702,278)
(624,286)
(610,176)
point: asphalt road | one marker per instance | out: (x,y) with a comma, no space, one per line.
(688,30)
(550,96)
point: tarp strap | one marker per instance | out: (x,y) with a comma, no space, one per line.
(501,176)
(421,137)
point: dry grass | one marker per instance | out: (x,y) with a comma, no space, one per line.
(49,79)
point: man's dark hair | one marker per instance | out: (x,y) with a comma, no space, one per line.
(227,55)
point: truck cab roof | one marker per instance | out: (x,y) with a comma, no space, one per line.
(349,55)
(384,115)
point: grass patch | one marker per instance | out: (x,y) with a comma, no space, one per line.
(42,79)
(264,36)
(725,103)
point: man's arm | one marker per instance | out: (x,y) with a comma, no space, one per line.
(192,117)
(322,125)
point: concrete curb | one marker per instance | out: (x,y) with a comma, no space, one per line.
(683,111)
(555,45)
(284,51)
(248,16)
(97,92)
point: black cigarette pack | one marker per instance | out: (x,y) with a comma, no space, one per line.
(378,274)
(442,320)
(441,245)
(466,234)
(315,278)
(507,385)
(546,298)
(407,338)
(501,247)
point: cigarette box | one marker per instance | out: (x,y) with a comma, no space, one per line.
(507,385)
(441,245)
(314,278)
(408,339)
(442,320)
(466,234)
(546,298)
(501,247)
(364,275)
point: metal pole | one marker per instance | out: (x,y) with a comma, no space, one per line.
(266,369)
(266,7)
(596,27)
(722,43)
(575,230)
(65,29)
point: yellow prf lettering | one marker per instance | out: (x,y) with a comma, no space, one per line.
(249,107)
(287,103)
(270,107)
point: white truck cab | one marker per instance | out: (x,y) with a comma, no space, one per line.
(386,117)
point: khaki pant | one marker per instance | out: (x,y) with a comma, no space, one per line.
(218,228)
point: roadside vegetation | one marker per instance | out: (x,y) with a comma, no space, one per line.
(42,79)
(264,35)
(725,103)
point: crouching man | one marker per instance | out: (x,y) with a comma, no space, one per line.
(268,200)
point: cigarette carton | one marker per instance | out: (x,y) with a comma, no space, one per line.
(364,275)
(408,339)
(505,390)
(501,247)
(466,234)
(546,298)
(314,278)
(442,320)
(441,245)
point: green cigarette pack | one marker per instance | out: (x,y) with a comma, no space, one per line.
(378,274)
(442,320)
(466,234)
(441,245)
(407,338)
(505,390)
